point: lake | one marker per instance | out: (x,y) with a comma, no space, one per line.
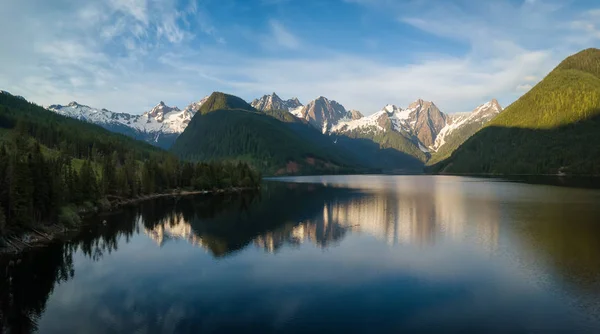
(374,254)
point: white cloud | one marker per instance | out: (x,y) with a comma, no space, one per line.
(138,9)
(126,55)
(282,37)
(524,87)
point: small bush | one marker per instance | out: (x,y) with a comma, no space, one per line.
(88,206)
(68,216)
(104,204)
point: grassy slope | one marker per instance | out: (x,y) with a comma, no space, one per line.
(555,126)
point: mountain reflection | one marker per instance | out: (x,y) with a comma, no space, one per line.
(553,229)
(389,214)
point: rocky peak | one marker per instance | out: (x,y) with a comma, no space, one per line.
(495,105)
(160,110)
(487,110)
(323,113)
(274,102)
(355,114)
(417,104)
(391,109)
(294,102)
(268,102)
(428,121)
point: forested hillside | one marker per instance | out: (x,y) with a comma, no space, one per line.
(229,129)
(554,128)
(52,167)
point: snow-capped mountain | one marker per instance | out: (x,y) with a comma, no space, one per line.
(159,126)
(422,122)
(388,118)
(461,126)
(324,114)
(425,121)
(274,102)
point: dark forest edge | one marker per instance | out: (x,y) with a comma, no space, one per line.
(54,170)
(42,196)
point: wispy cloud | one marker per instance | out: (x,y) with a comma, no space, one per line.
(127,54)
(282,37)
(138,9)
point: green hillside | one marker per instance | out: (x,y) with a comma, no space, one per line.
(554,128)
(239,132)
(222,101)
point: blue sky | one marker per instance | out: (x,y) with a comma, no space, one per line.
(127,55)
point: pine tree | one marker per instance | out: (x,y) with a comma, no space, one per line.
(21,190)
(88,182)
(2,222)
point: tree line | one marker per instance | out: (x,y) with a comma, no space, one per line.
(52,167)
(41,188)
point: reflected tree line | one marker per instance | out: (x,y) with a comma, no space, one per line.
(224,223)
(285,214)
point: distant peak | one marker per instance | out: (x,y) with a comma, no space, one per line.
(73,104)
(496,104)
(391,108)
(355,114)
(161,104)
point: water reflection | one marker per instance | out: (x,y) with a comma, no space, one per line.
(387,213)
(541,233)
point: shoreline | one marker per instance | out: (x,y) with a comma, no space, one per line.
(44,235)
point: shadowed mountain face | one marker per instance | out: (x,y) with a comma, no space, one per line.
(569,149)
(553,129)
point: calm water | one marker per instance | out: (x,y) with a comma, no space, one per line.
(370,254)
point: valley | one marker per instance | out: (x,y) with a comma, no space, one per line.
(392,139)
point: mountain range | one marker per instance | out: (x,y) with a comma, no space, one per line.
(274,102)
(419,131)
(536,134)
(159,126)
(390,139)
